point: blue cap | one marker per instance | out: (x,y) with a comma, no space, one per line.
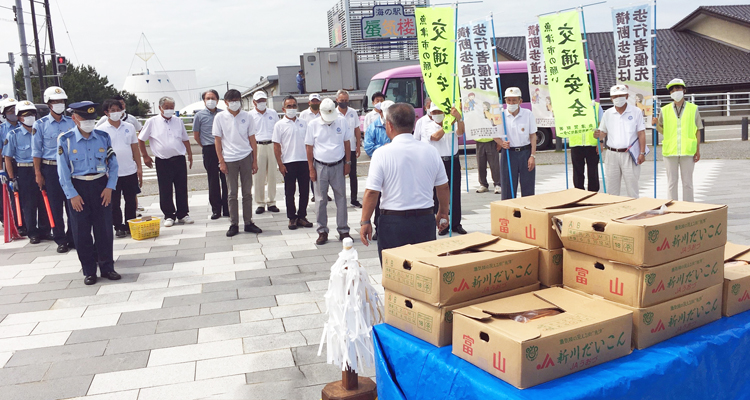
(85,109)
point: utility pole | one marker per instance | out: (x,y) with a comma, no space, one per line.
(51,36)
(12,65)
(24,51)
(39,61)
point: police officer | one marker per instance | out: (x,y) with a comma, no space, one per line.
(17,146)
(44,136)
(10,122)
(87,167)
(584,153)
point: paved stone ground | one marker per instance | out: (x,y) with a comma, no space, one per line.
(201,316)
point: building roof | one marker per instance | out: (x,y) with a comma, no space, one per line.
(737,13)
(700,61)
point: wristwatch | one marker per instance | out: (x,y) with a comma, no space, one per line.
(363,223)
(348,162)
(533,155)
(643,154)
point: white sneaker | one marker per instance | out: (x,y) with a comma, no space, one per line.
(186,220)
(482,189)
(497,189)
(168,222)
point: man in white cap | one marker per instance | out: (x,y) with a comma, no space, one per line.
(307,115)
(680,123)
(446,144)
(623,127)
(264,120)
(328,142)
(520,146)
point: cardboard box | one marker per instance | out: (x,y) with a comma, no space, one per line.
(615,233)
(643,286)
(551,267)
(528,219)
(655,324)
(450,271)
(433,324)
(736,279)
(588,332)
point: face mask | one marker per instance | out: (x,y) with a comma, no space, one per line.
(115,116)
(58,108)
(620,101)
(677,96)
(291,113)
(89,125)
(377,106)
(343,104)
(28,120)
(315,107)
(211,104)
(438,118)
(512,107)
(168,113)
(259,106)
(12,118)
(234,105)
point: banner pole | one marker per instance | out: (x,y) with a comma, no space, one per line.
(593,97)
(455,124)
(500,94)
(653,107)
(565,145)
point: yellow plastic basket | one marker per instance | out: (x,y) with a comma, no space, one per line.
(140,230)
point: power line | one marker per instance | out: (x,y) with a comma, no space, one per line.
(67,32)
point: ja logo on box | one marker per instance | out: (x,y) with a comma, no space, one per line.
(653,235)
(532,352)
(736,289)
(648,318)
(650,278)
(448,277)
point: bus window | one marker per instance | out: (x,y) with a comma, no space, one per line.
(404,90)
(519,80)
(376,85)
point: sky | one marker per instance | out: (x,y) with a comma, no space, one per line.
(240,41)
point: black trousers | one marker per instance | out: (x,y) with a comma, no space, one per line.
(585,156)
(171,173)
(297,174)
(127,188)
(396,231)
(57,204)
(353,177)
(97,218)
(455,183)
(217,181)
(519,170)
(34,211)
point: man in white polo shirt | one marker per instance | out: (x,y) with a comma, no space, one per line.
(291,155)
(234,135)
(404,173)
(520,145)
(130,173)
(352,121)
(623,127)
(264,119)
(169,142)
(328,142)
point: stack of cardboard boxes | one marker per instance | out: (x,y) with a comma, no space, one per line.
(662,260)
(425,282)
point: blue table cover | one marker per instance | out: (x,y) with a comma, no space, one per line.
(710,362)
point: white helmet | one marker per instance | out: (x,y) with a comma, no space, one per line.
(9,102)
(54,93)
(24,106)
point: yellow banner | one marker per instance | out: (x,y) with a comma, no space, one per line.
(566,73)
(436,33)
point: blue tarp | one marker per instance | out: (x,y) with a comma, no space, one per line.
(711,362)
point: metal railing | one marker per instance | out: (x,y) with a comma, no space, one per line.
(730,104)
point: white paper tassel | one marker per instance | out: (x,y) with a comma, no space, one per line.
(353,309)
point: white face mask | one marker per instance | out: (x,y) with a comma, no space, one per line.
(678,95)
(28,120)
(620,101)
(291,113)
(211,104)
(88,125)
(168,113)
(115,116)
(512,107)
(261,106)
(377,106)
(438,118)
(58,108)
(234,105)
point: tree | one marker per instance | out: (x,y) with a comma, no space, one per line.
(84,83)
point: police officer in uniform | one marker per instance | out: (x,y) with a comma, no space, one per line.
(87,167)
(44,150)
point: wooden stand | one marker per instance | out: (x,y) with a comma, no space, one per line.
(351,387)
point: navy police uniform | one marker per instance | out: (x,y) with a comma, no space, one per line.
(86,167)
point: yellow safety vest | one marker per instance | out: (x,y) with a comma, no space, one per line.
(585,139)
(679,134)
